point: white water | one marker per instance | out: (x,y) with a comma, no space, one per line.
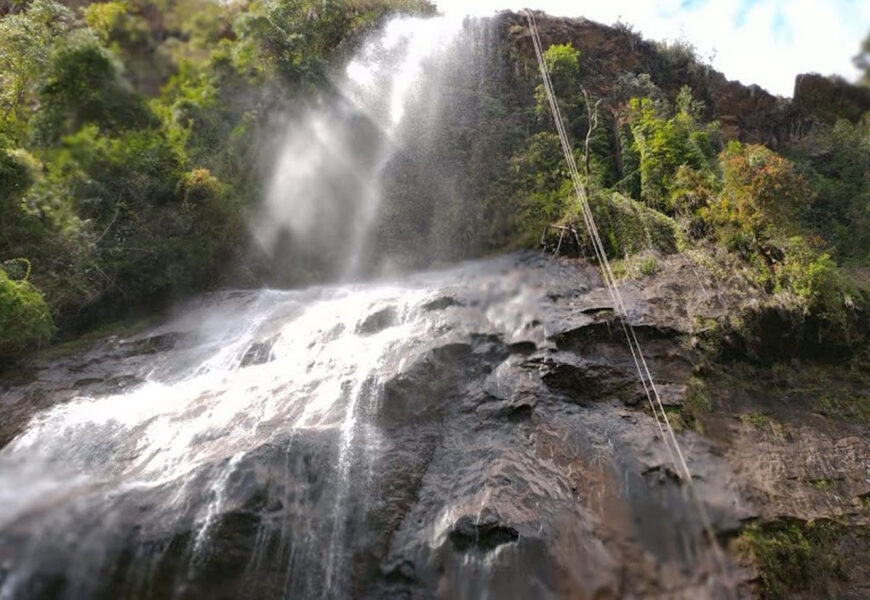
(326,187)
(160,432)
(66,482)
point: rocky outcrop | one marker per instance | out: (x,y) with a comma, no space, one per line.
(830,98)
(745,112)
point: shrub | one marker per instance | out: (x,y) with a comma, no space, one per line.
(201,188)
(628,227)
(27,39)
(563,61)
(816,280)
(761,190)
(667,144)
(837,165)
(648,266)
(83,85)
(25,320)
(794,556)
(15,178)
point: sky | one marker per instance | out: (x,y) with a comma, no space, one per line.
(766,42)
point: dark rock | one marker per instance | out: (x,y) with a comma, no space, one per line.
(748,113)
(378,321)
(490,454)
(258,354)
(830,98)
(441,303)
(468,533)
(159,343)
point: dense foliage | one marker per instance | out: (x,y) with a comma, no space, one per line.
(662,178)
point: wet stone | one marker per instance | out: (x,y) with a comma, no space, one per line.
(378,321)
(258,354)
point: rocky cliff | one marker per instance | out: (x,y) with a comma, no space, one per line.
(501,446)
(748,113)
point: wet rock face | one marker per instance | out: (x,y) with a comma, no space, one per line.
(496,444)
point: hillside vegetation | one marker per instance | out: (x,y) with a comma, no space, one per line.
(131,137)
(129,143)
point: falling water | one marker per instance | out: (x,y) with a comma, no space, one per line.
(327,184)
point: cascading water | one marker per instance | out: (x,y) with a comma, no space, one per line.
(327,187)
(413,438)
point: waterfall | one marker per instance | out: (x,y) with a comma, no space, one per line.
(327,184)
(412,436)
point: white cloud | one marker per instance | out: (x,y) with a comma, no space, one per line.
(767,42)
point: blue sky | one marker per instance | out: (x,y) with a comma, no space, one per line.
(766,42)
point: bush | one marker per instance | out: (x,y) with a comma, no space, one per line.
(648,266)
(761,191)
(794,556)
(628,227)
(299,38)
(836,161)
(15,178)
(667,144)
(25,320)
(27,39)
(816,280)
(563,62)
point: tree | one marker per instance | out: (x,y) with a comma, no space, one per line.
(667,144)
(25,320)
(84,85)
(762,191)
(862,60)
(27,39)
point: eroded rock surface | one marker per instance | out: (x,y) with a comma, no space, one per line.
(475,432)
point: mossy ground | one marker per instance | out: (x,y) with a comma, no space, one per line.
(121,329)
(795,557)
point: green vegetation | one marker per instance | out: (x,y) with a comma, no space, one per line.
(825,484)
(795,556)
(661,178)
(128,139)
(697,403)
(762,422)
(24,316)
(649,266)
(690,414)
(855,408)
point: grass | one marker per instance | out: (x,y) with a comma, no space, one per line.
(678,419)
(854,408)
(762,422)
(824,484)
(696,405)
(634,267)
(648,266)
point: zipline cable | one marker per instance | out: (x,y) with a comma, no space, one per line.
(650,390)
